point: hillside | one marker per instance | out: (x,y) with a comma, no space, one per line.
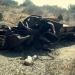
(61,61)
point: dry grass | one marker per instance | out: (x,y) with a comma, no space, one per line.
(13,17)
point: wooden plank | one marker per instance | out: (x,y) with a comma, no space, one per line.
(65,25)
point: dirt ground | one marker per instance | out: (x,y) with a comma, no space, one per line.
(61,61)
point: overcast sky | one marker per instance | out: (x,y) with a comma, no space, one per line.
(60,3)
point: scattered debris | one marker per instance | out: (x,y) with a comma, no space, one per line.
(34,31)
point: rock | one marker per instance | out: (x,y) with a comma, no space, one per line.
(28,61)
(35,57)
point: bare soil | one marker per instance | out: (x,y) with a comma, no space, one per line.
(61,61)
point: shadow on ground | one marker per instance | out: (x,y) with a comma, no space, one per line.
(24,52)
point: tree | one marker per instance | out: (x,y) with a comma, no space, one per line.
(72,8)
(60,17)
(8,2)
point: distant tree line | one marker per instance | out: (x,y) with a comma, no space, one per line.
(32,9)
(8,2)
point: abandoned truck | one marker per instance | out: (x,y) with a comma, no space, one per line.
(34,31)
